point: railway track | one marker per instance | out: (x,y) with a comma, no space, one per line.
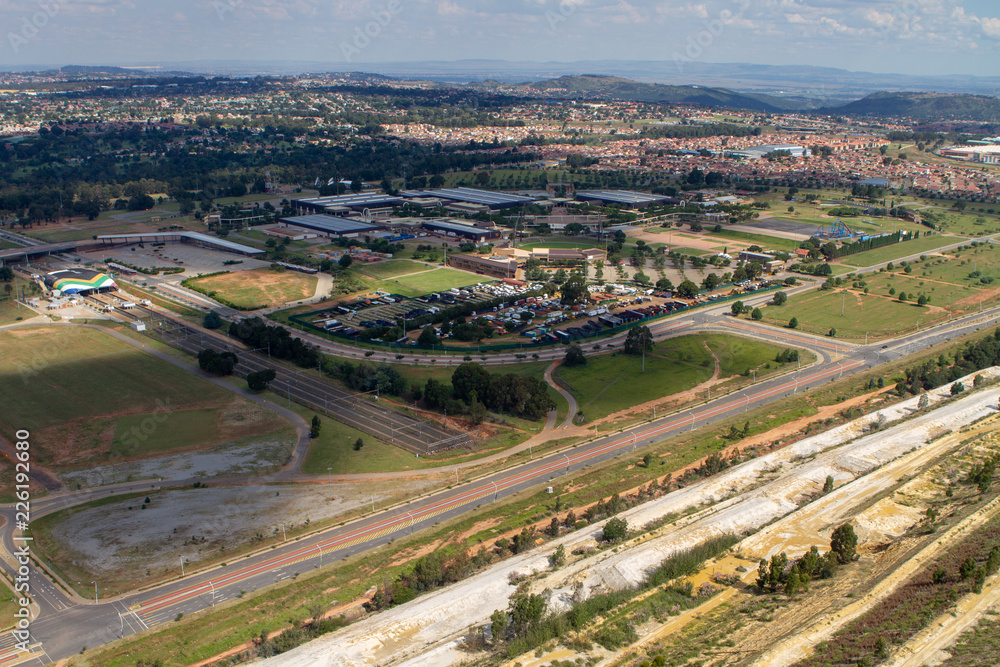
(360,411)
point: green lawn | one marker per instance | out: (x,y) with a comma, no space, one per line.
(582,244)
(79,392)
(959,264)
(904,249)
(818,312)
(693,252)
(942,294)
(391,269)
(436,280)
(611,383)
(10,311)
(7,245)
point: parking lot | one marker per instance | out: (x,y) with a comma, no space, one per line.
(192,259)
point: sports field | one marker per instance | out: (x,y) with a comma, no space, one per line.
(904,249)
(260,288)
(611,383)
(87,398)
(435,280)
(391,269)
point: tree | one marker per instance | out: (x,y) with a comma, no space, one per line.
(922,299)
(260,380)
(615,529)
(315,426)
(358,444)
(687,290)
(757,314)
(345,261)
(642,278)
(574,357)
(468,379)
(664,284)
(957,388)
(780,299)
(498,625)
(6,274)
(737,308)
(793,323)
(711,281)
(844,543)
(639,340)
(828,485)
(574,290)
(526,611)
(212,320)
(217,363)
(428,338)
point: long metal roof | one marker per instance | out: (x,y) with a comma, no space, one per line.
(194,236)
(473,196)
(329,223)
(621,196)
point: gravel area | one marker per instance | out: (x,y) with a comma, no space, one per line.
(197,523)
(232,460)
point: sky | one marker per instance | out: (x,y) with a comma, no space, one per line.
(931,37)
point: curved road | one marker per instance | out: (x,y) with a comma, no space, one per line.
(65,625)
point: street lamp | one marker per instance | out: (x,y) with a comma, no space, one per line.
(330,472)
(567,463)
(496,491)
(746,405)
(213,593)
(96,601)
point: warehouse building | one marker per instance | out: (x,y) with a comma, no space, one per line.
(494,267)
(623,198)
(376,203)
(331,226)
(494,201)
(457,229)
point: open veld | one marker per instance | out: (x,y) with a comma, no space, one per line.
(430,280)
(610,384)
(261,288)
(10,312)
(89,399)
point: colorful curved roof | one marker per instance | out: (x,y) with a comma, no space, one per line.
(75,285)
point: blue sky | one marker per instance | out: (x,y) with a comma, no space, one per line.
(905,36)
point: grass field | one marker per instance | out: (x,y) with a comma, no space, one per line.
(904,249)
(81,393)
(10,312)
(611,383)
(7,245)
(693,252)
(435,280)
(391,269)
(879,317)
(258,288)
(581,243)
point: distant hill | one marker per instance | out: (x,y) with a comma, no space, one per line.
(596,86)
(923,107)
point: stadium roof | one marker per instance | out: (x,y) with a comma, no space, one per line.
(484,197)
(76,281)
(329,224)
(156,237)
(622,197)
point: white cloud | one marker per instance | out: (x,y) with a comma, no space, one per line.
(991,27)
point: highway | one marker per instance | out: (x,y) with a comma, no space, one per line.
(65,624)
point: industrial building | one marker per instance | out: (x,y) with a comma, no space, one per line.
(330,225)
(759,152)
(343,205)
(495,267)
(623,198)
(457,229)
(984,154)
(78,282)
(493,201)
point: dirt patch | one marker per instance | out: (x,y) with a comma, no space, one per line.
(984,296)
(260,287)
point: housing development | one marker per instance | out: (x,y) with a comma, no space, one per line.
(355,369)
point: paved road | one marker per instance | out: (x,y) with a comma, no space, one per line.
(65,625)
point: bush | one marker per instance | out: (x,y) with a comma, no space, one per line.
(615,529)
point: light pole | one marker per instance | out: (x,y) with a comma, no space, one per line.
(496,491)
(320,555)
(567,463)
(182,566)
(633,439)
(746,405)
(330,472)
(96,601)
(411,522)
(213,592)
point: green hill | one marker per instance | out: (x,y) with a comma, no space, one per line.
(592,86)
(923,107)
